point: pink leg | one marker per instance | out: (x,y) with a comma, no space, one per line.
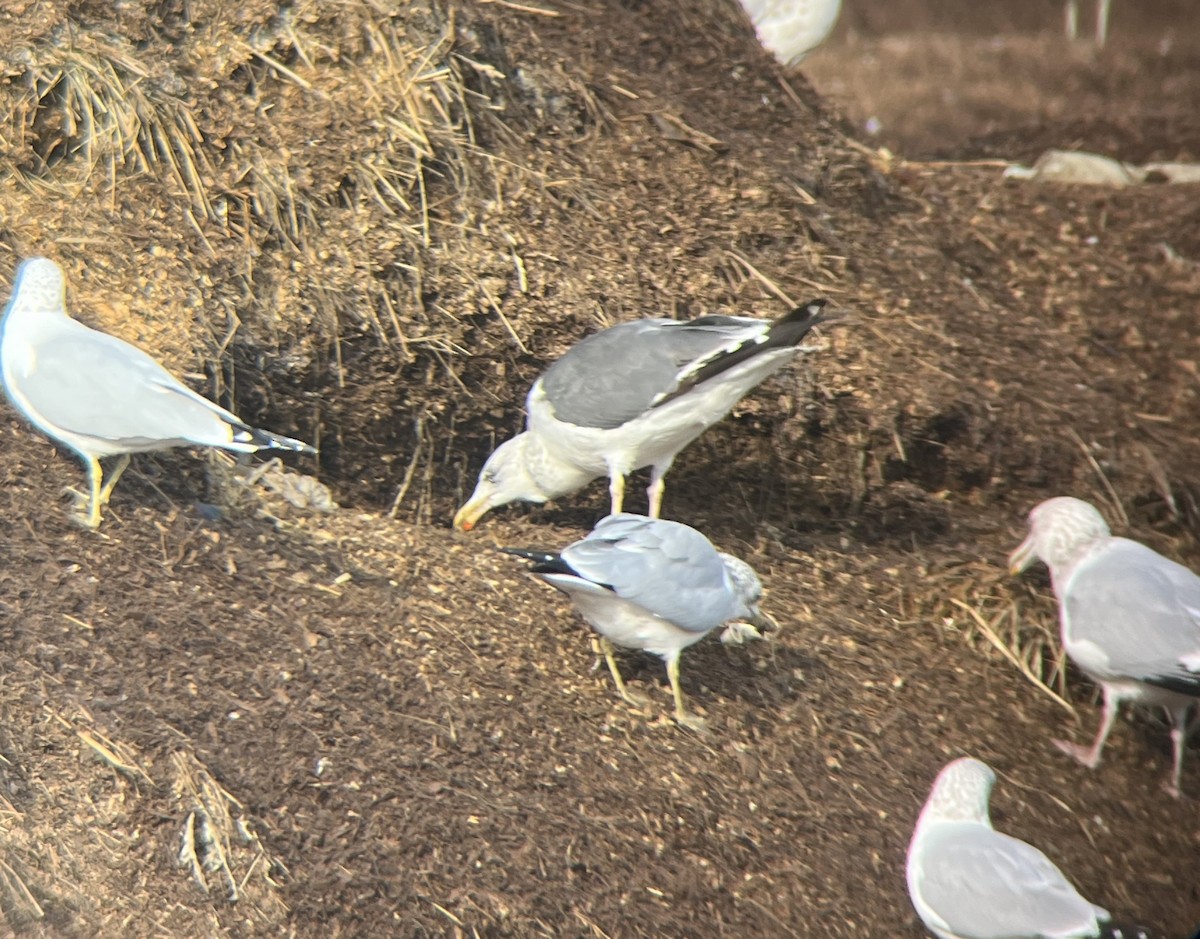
(1181,727)
(1090,756)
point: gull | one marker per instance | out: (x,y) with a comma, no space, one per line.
(100,396)
(791,29)
(654,585)
(630,396)
(1129,617)
(969,881)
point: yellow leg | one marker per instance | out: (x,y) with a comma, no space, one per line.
(657,486)
(627,696)
(95,475)
(113,476)
(616,491)
(682,717)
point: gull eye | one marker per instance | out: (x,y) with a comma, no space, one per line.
(489,476)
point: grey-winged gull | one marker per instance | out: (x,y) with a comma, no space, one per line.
(969,881)
(654,585)
(1129,617)
(99,395)
(630,396)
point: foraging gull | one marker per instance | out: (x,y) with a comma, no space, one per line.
(99,395)
(969,881)
(654,585)
(1130,618)
(630,396)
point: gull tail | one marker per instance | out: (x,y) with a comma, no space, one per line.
(544,562)
(785,332)
(265,440)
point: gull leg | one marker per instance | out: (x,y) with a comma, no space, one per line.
(682,717)
(1090,756)
(1180,728)
(1102,8)
(655,490)
(629,697)
(616,490)
(95,475)
(113,476)
(1192,724)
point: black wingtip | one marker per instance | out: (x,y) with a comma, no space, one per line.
(793,326)
(265,440)
(801,319)
(813,309)
(1182,683)
(783,333)
(544,562)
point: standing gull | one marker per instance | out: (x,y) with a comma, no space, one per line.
(654,585)
(630,396)
(1130,618)
(99,395)
(969,881)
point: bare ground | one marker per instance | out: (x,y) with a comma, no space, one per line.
(372,725)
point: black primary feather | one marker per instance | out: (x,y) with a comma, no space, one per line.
(264,439)
(1183,682)
(786,331)
(544,562)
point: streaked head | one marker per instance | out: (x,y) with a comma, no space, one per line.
(961,793)
(1059,529)
(504,478)
(749,591)
(39,287)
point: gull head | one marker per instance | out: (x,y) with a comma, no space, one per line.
(748,590)
(504,478)
(1059,530)
(39,287)
(961,793)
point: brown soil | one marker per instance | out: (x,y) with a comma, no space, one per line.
(375,726)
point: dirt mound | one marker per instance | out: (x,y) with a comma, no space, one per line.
(369,226)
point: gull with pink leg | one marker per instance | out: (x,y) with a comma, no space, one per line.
(1129,619)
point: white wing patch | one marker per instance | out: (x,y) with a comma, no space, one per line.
(694,366)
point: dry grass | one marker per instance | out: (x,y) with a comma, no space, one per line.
(979,601)
(259,195)
(198,130)
(217,844)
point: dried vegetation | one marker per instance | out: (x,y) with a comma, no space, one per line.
(368,224)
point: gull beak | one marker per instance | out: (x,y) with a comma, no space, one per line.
(469,515)
(1022,557)
(764,622)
